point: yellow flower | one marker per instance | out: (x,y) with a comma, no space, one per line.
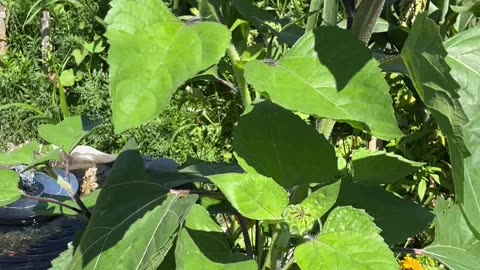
(410,263)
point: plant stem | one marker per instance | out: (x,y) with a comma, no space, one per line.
(330,10)
(239,71)
(280,239)
(289,263)
(66,186)
(313,19)
(413,251)
(246,237)
(50,200)
(259,242)
(205,193)
(365,19)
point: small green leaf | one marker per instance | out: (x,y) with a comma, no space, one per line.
(66,134)
(381,167)
(253,195)
(278,144)
(321,200)
(22,155)
(349,240)
(151,54)
(67,78)
(95,46)
(202,245)
(9,187)
(314,78)
(407,220)
(133,233)
(78,56)
(455,244)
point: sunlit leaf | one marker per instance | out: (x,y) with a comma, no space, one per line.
(9,191)
(22,155)
(349,240)
(253,195)
(315,78)
(151,54)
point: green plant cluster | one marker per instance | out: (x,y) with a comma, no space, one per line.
(192,126)
(353,130)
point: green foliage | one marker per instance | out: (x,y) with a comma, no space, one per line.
(9,184)
(295,199)
(349,240)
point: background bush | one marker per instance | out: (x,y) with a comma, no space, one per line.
(197,123)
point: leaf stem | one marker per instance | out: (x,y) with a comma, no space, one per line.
(246,237)
(365,19)
(413,251)
(50,200)
(205,193)
(280,239)
(313,19)
(239,75)
(66,186)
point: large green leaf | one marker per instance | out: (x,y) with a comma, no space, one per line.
(151,54)
(349,240)
(134,222)
(381,167)
(329,73)
(424,57)
(464,59)
(253,195)
(22,155)
(278,144)
(66,134)
(398,218)
(202,245)
(9,191)
(455,244)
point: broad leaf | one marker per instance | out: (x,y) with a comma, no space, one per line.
(301,217)
(68,133)
(22,155)
(464,59)
(9,191)
(151,54)
(349,240)
(133,233)
(381,167)
(253,195)
(398,218)
(424,57)
(455,244)
(63,259)
(202,245)
(329,73)
(278,144)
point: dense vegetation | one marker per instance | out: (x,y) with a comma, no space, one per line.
(353,126)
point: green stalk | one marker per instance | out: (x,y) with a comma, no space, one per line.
(330,10)
(61,94)
(313,19)
(280,239)
(239,75)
